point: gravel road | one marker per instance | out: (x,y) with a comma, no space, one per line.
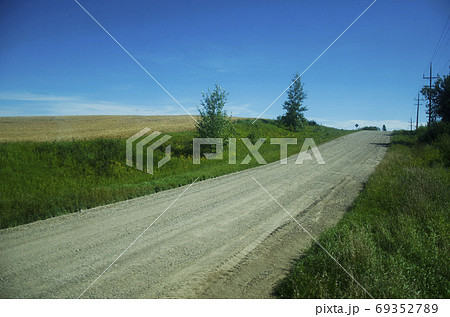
(224,237)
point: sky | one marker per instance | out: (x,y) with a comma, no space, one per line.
(55,60)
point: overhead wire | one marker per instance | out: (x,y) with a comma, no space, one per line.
(439,51)
(439,42)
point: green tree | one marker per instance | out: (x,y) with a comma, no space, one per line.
(293,118)
(442,99)
(428,92)
(384,128)
(214,121)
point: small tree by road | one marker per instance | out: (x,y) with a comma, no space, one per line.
(384,128)
(293,118)
(214,121)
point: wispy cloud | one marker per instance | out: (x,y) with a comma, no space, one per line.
(29,104)
(242,110)
(26,96)
(20,104)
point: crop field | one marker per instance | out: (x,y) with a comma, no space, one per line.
(54,128)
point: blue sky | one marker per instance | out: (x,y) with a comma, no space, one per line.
(54,60)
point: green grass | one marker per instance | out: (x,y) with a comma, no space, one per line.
(395,239)
(42,180)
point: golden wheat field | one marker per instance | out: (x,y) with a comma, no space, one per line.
(54,128)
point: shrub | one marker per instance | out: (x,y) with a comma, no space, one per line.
(433,132)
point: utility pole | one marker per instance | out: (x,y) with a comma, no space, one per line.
(410,124)
(418,104)
(431,77)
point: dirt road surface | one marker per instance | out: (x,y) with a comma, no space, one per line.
(223,238)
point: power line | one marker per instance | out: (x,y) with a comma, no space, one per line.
(431,77)
(439,42)
(412,110)
(418,104)
(422,84)
(445,65)
(442,52)
(444,33)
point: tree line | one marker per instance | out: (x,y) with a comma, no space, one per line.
(439,94)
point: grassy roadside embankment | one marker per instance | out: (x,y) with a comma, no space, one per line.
(395,239)
(45,179)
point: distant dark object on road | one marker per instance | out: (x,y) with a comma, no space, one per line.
(374,128)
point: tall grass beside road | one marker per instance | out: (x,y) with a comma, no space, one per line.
(395,239)
(45,179)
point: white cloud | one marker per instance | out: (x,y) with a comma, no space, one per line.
(36,104)
(244,110)
(105,108)
(350,124)
(44,104)
(34,97)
